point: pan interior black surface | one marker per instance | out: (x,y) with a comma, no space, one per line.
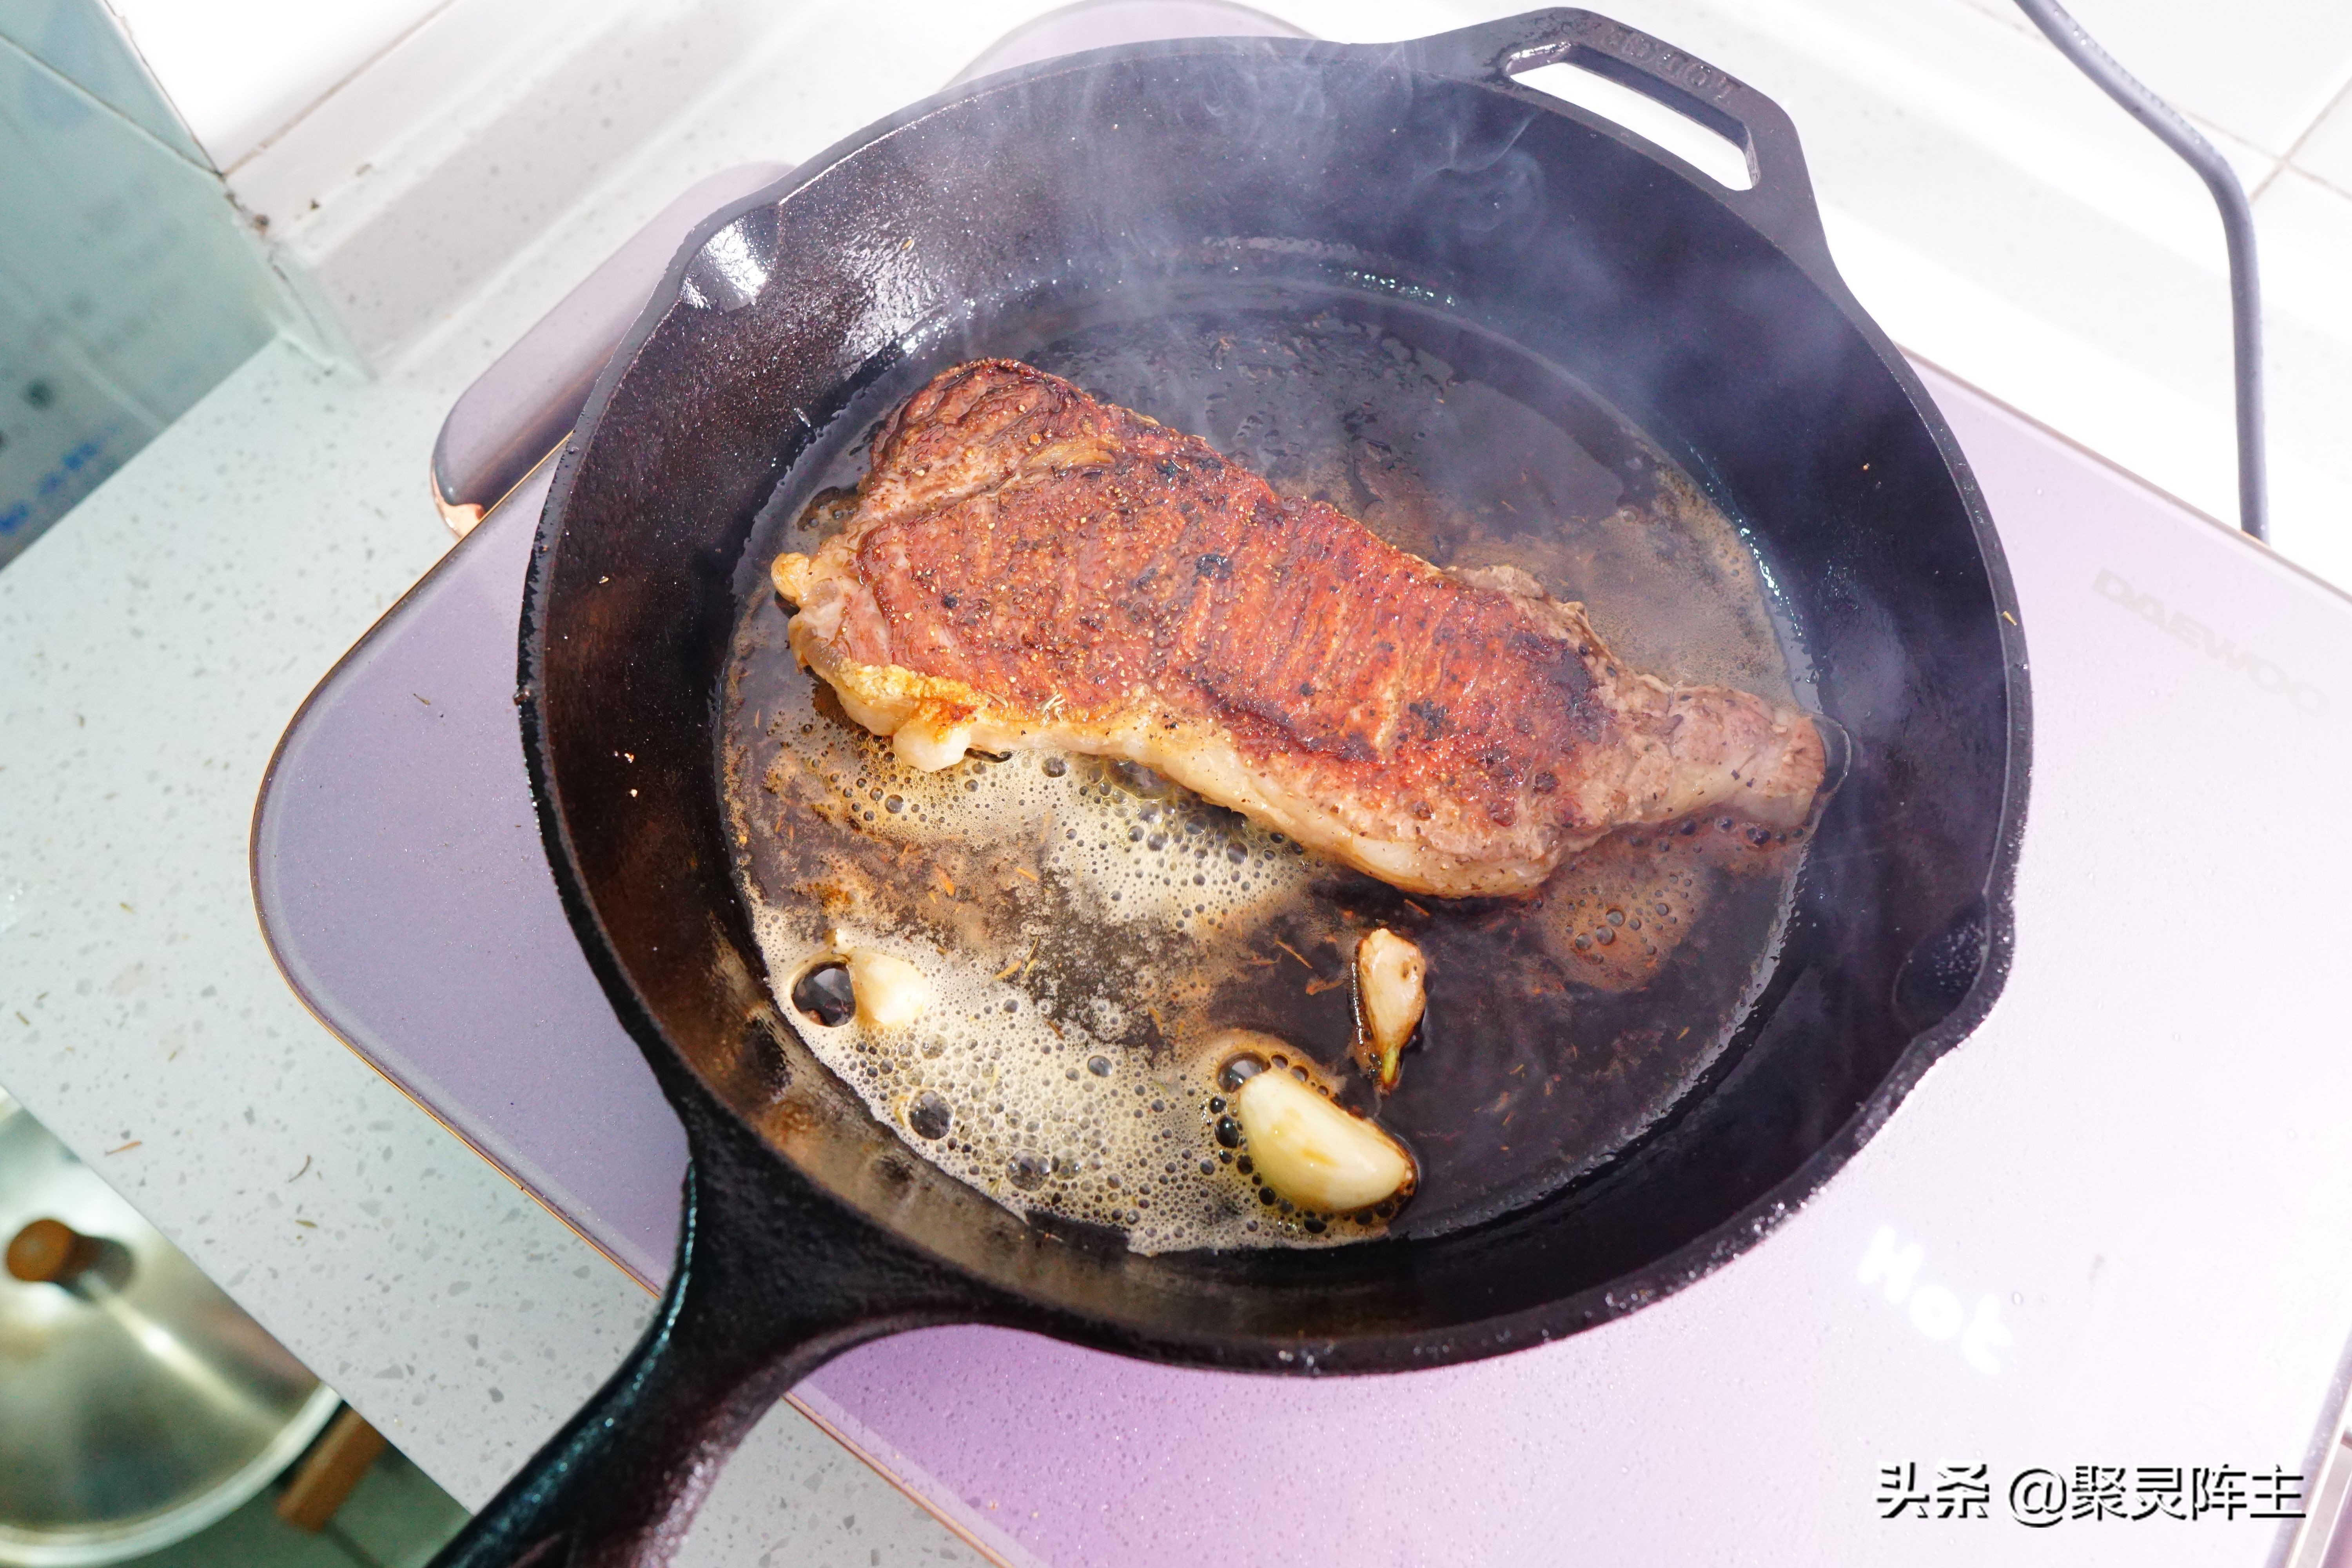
(1419,174)
(1245,168)
(1055,896)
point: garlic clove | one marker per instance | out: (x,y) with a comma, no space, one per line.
(890,990)
(1389,998)
(790,574)
(930,744)
(1315,1153)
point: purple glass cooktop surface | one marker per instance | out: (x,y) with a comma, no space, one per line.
(1993,1279)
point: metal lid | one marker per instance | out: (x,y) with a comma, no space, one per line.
(137,1403)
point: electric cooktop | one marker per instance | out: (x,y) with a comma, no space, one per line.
(2083,1300)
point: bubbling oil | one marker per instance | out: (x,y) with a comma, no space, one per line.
(1078,1102)
(1088,932)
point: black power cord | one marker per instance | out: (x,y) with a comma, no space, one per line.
(2237,227)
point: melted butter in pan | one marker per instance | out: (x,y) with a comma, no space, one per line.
(1079,922)
(1085,927)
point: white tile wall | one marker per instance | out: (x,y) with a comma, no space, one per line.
(239,71)
(2263,70)
(2305,229)
(1996,210)
(396,248)
(451,71)
(2326,153)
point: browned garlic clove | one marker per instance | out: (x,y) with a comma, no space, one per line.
(1389,1002)
(1314,1152)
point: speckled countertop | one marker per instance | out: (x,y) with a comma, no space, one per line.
(156,645)
(156,642)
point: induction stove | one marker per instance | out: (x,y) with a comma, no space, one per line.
(2084,1299)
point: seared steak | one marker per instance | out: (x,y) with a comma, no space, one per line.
(1028,568)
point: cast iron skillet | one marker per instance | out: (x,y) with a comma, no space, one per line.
(1113,180)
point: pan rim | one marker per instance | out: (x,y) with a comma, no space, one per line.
(1369,1352)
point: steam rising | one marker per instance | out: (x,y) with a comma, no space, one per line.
(1366,286)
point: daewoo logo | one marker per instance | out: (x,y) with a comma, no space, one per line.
(2269,676)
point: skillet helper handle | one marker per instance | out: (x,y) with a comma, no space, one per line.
(523,407)
(1779,203)
(769,1286)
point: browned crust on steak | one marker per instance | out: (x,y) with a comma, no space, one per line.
(1031,567)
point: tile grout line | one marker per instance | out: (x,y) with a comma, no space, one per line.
(92,100)
(2280,163)
(2286,159)
(440,9)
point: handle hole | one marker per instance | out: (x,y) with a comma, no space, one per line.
(1714,154)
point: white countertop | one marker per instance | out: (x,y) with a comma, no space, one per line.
(160,638)
(158,641)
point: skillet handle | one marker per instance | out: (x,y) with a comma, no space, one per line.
(770,1284)
(1780,204)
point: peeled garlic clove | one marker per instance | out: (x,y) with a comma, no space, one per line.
(1389,1001)
(924,744)
(1312,1151)
(890,990)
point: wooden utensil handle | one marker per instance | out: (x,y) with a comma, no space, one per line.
(329,1470)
